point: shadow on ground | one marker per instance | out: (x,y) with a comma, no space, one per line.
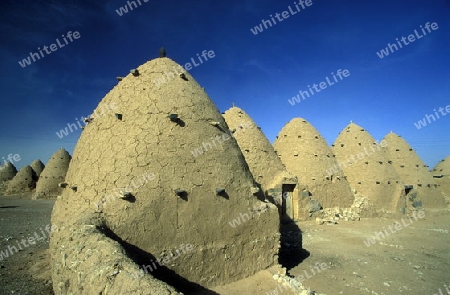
(291,252)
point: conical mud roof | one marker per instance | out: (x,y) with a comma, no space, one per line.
(24,181)
(7,172)
(441,172)
(38,167)
(442,168)
(413,171)
(307,155)
(366,165)
(52,175)
(135,172)
(265,165)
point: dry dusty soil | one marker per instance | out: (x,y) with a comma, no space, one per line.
(28,270)
(415,260)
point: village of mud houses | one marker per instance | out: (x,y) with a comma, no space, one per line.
(239,147)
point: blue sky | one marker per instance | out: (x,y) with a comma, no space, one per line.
(259,73)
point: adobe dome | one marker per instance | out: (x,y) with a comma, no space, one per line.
(186,200)
(7,172)
(442,168)
(38,167)
(52,175)
(265,166)
(366,165)
(413,171)
(441,173)
(307,155)
(23,181)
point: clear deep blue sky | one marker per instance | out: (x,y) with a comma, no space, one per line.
(259,73)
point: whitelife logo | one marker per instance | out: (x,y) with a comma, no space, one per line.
(319,267)
(440,291)
(11,158)
(285,14)
(246,217)
(31,241)
(296,99)
(35,56)
(178,70)
(423,123)
(411,38)
(398,226)
(165,260)
(206,146)
(96,114)
(122,10)
(350,160)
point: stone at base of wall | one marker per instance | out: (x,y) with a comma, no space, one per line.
(287,282)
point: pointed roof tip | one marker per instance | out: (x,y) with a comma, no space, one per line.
(162,52)
(235,109)
(167,62)
(391,133)
(37,163)
(351,128)
(298,124)
(298,120)
(62,150)
(295,122)
(353,125)
(9,164)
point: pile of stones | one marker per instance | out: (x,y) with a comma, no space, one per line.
(336,214)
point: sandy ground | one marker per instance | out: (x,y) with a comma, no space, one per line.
(334,258)
(28,270)
(413,260)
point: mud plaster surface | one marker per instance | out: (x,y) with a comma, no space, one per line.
(52,175)
(114,151)
(307,155)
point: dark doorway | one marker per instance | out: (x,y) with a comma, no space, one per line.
(408,188)
(287,206)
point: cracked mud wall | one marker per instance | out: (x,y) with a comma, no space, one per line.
(116,150)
